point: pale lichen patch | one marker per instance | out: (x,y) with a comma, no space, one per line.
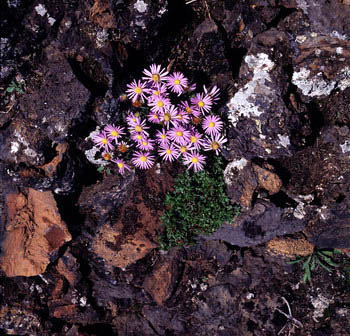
(244,102)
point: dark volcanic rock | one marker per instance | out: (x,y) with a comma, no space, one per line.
(261,121)
(264,222)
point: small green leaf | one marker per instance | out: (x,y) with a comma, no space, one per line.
(324,266)
(10,89)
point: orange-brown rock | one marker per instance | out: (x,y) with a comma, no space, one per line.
(65,311)
(34,229)
(160,283)
(101,14)
(50,168)
(129,250)
(267,180)
(134,234)
(67,267)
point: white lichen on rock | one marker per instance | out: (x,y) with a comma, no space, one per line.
(231,169)
(320,304)
(345,147)
(91,153)
(318,85)
(15,146)
(141,6)
(313,87)
(284,140)
(40,9)
(244,102)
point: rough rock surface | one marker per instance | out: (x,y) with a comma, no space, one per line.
(33,233)
(283,68)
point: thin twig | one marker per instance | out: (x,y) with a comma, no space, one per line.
(189,2)
(289,316)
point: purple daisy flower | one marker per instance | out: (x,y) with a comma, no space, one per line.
(195,161)
(121,166)
(158,90)
(139,128)
(215,142)
(169,117)
(184,149)
(190,110)
(159,104)
(137,137)
(155,75)
(179,135)
(196,140)
(202,102)
(177,82)
(145,144)
(114,132)
(137,91)
(212,125)
(168,152)
(213,93)
(143,160)
(101,140)
(183,118)
(162,137)
(133,119)
(153,117)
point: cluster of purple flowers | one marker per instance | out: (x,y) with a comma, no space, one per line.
(185,129)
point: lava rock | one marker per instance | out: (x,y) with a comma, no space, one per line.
(264,222)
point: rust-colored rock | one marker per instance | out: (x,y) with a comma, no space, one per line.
(34,230)
(50,168)
(101,14)
(267,180)
(132,249)
(134,233)
(65,311)
(160,283)
(68,268)
(243,178)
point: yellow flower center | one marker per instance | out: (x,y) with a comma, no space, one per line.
(139,137)
(183,149)
(215,145)
(211,124)
(168,151)
(104,141)
(193,139)
(115,133)
(194,160)
(167,117)
(120,165)
(156,93)
(200,103)
(160,103)
(176,82)
(138,128)
(188,110)
(138,90)
(155,77)
(155,116)
(179,133)
(163,136)
(143,158)
(144,143)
